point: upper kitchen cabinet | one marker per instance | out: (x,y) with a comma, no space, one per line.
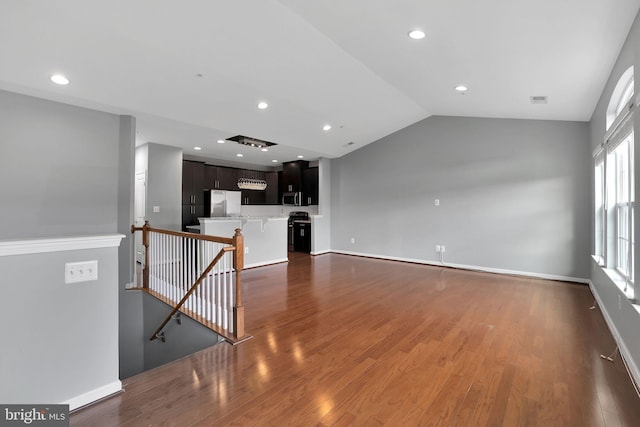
(310,186)
(228,178)
(193,177)
(292,175)
(221,178)
(271,192)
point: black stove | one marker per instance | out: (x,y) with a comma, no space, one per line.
(299,232)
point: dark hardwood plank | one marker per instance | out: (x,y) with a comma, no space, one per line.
(341,340)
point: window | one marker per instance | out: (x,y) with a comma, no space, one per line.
(600,211)
(621,161)
(614,197)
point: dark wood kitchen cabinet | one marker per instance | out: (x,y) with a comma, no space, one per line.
(190,215)
(253,197)
(292,175)
(272,196)
(310,186)
(193,176)
(221,178)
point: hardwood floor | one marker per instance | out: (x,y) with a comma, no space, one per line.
(342,340)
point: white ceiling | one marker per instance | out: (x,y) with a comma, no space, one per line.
(193,71)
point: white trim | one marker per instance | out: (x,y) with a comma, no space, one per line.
(262,264)
(93,395)
(60,244)
(322,252)
(600,148)
(624,351)
(469,267)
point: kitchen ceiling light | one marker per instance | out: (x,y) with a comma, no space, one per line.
(239,155)
(262,105)
(59,79)
(221,141)
(197,148)
(326,127)
(417,34)
(251,142)
(274,161)
(462,88)
(301,157)
(265,149)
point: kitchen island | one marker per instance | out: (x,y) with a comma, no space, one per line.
(265,237)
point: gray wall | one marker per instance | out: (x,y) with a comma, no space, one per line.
(60,169)
(514,195)
(623,318)
(321,225)
(164,183)
(181,339)
(60,341)
(130,302)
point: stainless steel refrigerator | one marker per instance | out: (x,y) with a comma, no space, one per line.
(222,203)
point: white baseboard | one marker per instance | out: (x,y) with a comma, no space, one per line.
(326,251)
(270,262)
(624,350)
(94,395)
(469,267)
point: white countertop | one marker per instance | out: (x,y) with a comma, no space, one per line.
(242,218)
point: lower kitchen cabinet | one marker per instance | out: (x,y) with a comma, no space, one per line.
(190,215)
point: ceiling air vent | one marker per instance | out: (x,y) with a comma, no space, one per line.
(251,142)
(538,99)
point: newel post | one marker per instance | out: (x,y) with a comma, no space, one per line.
(238,265)
(145,243)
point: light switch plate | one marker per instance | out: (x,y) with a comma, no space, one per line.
(84,271)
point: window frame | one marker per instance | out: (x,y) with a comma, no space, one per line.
(614,191)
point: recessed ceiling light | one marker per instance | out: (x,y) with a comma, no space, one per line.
(262,105)
(461,88)
(274,161)
(326,127)
(197,148)
(59,79)
(239,155)
(264,149)
(221,141)
(417,34)
(301,157)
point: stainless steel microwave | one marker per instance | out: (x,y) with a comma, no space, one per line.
(293,198)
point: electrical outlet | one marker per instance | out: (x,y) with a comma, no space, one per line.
(442,248)
(353,240)
(246,249)
(85,271)
(438,248)
(156,209)
(436,202)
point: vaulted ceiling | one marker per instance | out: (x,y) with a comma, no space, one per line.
(193,71)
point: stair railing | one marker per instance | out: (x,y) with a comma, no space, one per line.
(197,275)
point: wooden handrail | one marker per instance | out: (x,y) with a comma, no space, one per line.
(206,237)
(235,244)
